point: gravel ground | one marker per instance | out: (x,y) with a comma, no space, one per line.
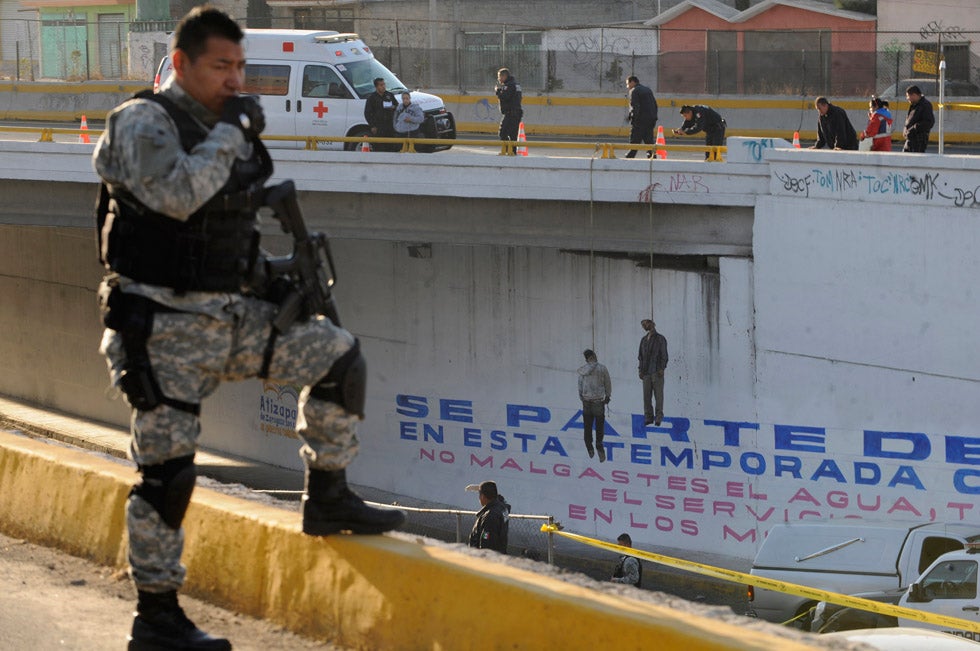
(51,600)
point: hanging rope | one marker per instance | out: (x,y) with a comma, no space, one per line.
(650,203)
(592,247)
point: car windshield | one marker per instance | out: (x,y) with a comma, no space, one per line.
(361,76)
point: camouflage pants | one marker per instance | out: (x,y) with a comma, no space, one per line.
(191,353)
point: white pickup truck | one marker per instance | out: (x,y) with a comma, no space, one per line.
(848,558)
(947,587)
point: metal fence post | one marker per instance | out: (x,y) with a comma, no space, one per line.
(551,541)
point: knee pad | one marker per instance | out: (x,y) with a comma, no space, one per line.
(167,487)
(346,382)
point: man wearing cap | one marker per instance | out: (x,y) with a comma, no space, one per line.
(653,361)
(492,521)
(595,390)
(703,118)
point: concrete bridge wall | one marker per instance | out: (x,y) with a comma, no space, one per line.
(819,308)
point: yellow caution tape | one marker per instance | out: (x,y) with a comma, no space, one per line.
(800,616)
(773,584)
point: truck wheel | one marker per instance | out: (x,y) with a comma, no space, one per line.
(428,131)
(804,617)
(359,132)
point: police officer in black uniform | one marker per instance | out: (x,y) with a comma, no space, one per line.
(509,95)
(642,115)
(379,111)
(703,118)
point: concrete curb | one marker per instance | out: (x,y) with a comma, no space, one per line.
(357,591)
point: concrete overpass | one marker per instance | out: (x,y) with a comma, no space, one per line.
(681,213)
(785,284)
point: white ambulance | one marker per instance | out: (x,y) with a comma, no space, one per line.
(314,83)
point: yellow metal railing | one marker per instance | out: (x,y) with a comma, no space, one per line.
(408,145)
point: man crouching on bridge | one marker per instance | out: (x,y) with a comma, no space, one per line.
(183,311)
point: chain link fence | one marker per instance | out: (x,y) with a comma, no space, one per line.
(465,58)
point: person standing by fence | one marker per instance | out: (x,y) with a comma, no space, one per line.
(492,521)
(919,121)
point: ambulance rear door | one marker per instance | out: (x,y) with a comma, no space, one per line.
(276,83)
(323,102)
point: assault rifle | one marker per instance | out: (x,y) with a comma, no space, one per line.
(308,270)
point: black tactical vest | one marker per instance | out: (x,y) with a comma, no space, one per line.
(619,572)
(214,250)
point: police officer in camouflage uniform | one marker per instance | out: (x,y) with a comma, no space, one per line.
(178,236)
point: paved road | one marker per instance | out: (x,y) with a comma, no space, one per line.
(51,600)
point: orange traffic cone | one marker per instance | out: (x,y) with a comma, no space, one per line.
(365,146)
(661,153)
(796,139)
(521,151)
(83,136)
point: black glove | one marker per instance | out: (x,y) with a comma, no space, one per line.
(245,112)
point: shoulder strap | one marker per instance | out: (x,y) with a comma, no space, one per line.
(190,132)
(101,214)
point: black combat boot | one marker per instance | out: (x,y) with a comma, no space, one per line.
(161,624)
(329,506)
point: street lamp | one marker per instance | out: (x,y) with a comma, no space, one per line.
(942,99)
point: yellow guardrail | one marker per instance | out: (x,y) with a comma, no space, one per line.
(773,584)
(47,133)
(408,145)
(507,147)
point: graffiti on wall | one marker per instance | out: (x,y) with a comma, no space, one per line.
(936,28)
(854,182)
(674,183)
